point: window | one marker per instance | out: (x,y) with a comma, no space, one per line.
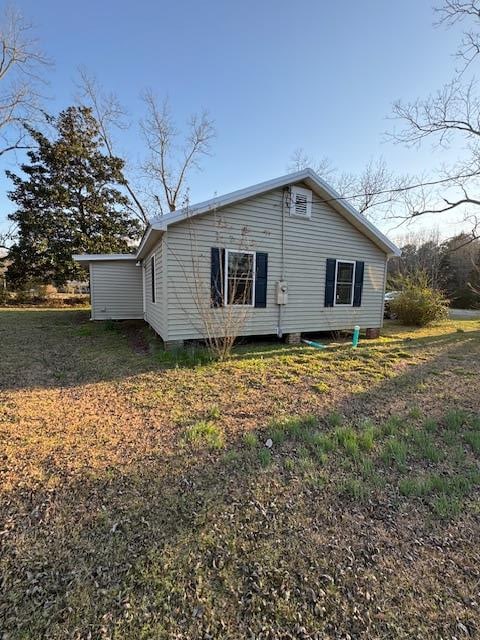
(344,279)
(301,202)
(152,271)
(239,277)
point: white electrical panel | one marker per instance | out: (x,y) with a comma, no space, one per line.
(282,292)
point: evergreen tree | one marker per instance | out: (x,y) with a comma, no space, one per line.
(68,201)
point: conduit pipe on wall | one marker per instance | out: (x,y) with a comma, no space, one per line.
(285,193)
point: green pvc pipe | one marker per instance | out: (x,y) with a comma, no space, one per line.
(316,345)
(356,336)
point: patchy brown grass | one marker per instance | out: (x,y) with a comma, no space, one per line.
(138,499)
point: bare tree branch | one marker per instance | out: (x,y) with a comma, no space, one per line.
(300,160)
(168,164)
(20,65)
(448,119)
(455,11)
(110,114)
(374,188)
(453,110)
(7,237)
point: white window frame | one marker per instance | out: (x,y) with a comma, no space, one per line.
(225,277)
(344,304)
(293,207)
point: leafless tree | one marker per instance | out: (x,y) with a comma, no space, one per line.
(111,116)
(168,163)
(301,160)
(448,119)
(371,192)
(455,11)
(162,186)
(21,63)
(219,324)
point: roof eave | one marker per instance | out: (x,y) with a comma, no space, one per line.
(150,236)
(103,257)
(323,190)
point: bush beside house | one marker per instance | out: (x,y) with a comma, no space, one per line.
(419,304)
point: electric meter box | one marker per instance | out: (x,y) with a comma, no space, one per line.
(282,292)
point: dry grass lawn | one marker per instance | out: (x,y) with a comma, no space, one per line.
(138,498)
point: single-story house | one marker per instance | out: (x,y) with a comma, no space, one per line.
(281,257)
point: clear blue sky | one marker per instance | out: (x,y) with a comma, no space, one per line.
(274,74)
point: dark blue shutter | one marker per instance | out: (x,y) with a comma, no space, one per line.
(358,286)
(217,267)
(261,280)
(330,282)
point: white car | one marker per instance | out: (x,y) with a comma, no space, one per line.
(389,296)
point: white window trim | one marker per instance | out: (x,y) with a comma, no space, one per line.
(153,281)
(344,304)
(225,277)
(305,192)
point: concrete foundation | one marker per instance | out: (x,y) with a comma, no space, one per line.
(293,338)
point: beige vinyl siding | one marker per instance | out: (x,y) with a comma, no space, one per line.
(256,224)
(155,312)
(116,290)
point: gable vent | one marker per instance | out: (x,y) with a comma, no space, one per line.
(301,202)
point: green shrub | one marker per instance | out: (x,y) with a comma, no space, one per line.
(418,303)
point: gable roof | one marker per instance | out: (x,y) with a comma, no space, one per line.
(308,176)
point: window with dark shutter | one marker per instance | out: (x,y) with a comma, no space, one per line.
(358,286)
(240,277)
(217,270)
(330,282)
(344,282)
(261,274)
